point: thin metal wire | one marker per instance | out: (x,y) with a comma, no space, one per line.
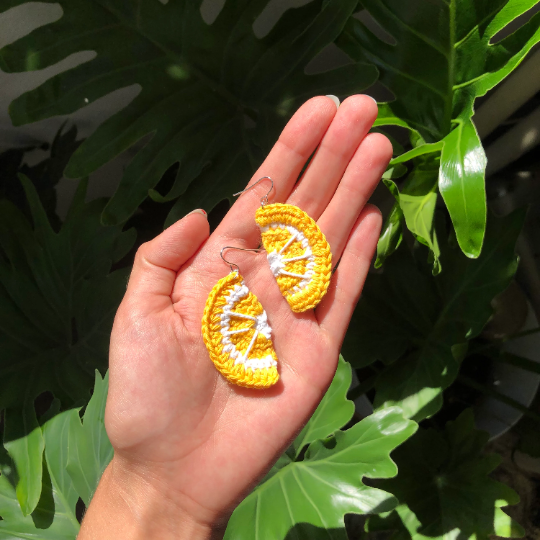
(231,264)
(264,200)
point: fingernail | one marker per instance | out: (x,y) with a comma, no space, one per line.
(374,100)
(198,211)
(335,99)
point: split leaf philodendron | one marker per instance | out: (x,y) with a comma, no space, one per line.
(77,452)
(57,298)
(437,58)
(444,489)
(411,321)
(213,97)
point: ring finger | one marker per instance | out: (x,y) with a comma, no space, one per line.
(352,122)
(360,179)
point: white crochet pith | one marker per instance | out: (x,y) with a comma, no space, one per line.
(278,262)
(260,326)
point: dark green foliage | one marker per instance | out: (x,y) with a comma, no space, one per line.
(213,98)
(444,488)
(57,299)
(411,320)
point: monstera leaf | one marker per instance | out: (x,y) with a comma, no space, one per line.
(210,94)
(444,489)
(411,321)
(45,174)
(76,453)
(57,299)
(318,490)
(443,56)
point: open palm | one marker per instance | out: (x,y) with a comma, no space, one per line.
(171,417)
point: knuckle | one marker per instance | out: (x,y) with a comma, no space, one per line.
(142,253)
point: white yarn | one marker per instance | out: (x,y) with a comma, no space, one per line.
(260,325)
(277,261)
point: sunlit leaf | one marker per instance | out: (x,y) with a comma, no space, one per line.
(89,448)
(434,96)
(444,489)
(24,443)
(320,489)
(75,456)
(391,235)
(417,199)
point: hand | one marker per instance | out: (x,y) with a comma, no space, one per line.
(189,445)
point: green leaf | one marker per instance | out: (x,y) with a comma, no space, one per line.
(210,95)
(395,171)
(468,286)
(333,412)
(418,151)
(461,183)
(444,488)
(410,320)
(76,455)
(396,311)
(435,97)
(57,299)
(319,490)
(89,448)
(54,518)
(415,382)
(391,235)
(24,443)
(417,200)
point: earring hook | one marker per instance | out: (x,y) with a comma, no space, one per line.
(264,200)
(231,264)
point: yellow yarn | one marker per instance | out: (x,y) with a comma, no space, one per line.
(295,245)
(234,322)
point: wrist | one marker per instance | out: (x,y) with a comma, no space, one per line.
(128,506)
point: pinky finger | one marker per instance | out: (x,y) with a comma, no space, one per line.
(335,311)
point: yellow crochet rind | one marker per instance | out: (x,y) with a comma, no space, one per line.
(310,251)
(228,330)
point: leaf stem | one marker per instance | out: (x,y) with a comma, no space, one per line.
(518,361)
(490,392)
(500,341)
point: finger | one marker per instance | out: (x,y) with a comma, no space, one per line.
(352,122)
(157,262)
(335,311)
(359,181)
(297,142)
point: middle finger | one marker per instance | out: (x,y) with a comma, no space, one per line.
(349,127)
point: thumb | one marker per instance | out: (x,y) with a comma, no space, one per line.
(157,262)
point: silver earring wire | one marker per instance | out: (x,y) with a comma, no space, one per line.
(231,264)
(264,200)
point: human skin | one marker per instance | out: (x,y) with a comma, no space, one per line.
(188,445)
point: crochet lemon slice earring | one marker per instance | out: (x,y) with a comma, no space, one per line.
(297,250)
(236,333)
